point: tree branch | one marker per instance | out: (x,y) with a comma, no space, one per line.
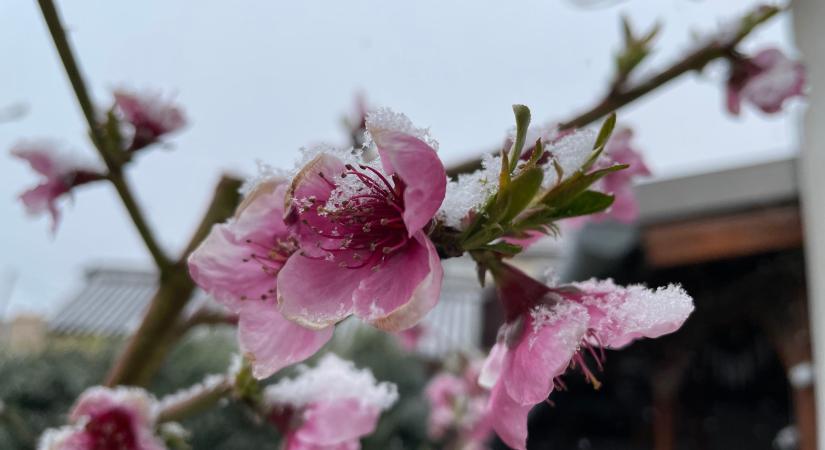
(155,336)
(64,49)
(621,95)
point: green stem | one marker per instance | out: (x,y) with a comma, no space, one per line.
(64,49)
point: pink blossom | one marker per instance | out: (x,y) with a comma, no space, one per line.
(108,419)
(765,80)
(239,264)
(458,409)
(362,231)
(410,338)
(150,116)
(60,172)
(329,407)
(551,328)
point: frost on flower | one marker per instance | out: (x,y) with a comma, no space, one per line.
(150,115)
(330,406)
(108,419)
(549,328)
(765,80)
(567,150)
(60,173)
(361,230)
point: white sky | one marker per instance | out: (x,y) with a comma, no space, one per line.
(261,79)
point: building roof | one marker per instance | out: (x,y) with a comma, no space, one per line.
(724,190)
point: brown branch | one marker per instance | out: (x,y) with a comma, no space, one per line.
(620,96)
(155,336)
(103,146)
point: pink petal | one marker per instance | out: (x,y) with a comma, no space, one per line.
(42,158)
(550,338)
(317,293)
(493,365)
(314,183)
(272,342)
(508,418)
(223,265)
(621,315)
(422,172)
(404,289)
(337,421)
(97,400)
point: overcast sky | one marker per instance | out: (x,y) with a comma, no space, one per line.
(261,79)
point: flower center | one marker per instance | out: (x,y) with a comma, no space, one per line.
(361,224)
(112,430)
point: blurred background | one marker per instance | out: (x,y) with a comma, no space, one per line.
(259,81)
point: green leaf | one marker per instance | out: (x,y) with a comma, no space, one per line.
(522,114)
(503,248)
(565,192)
(605,132)
(588,202)
(521,192)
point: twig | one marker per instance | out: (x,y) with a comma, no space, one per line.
(64,49)
(155,336)
(620,96)
(181,405)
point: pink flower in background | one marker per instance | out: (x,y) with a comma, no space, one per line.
(765,80)
(150,116)
(410,338)
(619,150)
(239,262)
(458,409)
(108,419)
(328,407)
(549,329)
(361,229)
(61,173)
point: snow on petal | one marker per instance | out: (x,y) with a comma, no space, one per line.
(620,315)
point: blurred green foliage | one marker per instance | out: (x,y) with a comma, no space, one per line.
(37,390)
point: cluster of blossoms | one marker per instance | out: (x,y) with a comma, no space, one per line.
(328,407)
(145,119)
(551,328)
(458,409)
(346,235)
(350,232)
(765,80)
(108,419)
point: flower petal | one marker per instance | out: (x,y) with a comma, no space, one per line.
(337,421)
(422,172)
(620,315)
(508,418)
(548,342)
(317,293)
(404,289)
(493,365)
(271,342)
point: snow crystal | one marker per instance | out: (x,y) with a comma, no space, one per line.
(389,120)
(635,311)
(570,152)
(333,378)
(470,192)
(573,314)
